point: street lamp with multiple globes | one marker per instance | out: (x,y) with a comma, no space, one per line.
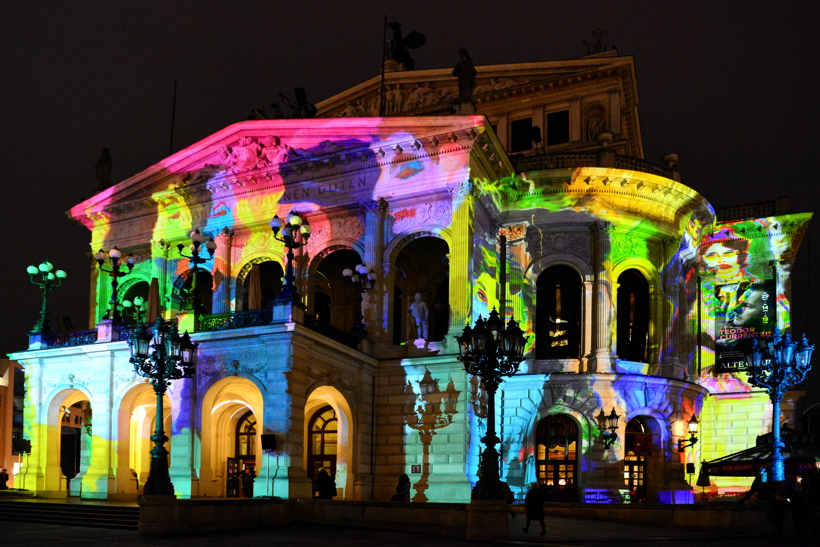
(295,225)
(114,255)
(363,279)
(196,246)
(776,365)
(160,354)
(48,280)
(491,352)
(139,307)
(608,426)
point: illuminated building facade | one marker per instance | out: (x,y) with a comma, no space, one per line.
(604,255)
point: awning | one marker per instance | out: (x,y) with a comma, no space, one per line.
(800,458)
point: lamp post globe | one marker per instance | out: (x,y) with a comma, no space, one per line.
(295,233)
(46,280)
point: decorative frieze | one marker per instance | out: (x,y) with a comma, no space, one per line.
(438,213)
(540,243)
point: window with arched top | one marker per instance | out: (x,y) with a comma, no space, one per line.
(246,436)
(633,316)
(638,445)
(556,441)
(323,431)
(558,317)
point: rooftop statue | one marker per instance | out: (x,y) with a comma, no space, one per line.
(398,45)
(302,108)
(465,72)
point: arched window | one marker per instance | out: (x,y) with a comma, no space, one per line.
(246,436)
(556,455)
(558,314)
(633,316)
(265,284)
(322,441)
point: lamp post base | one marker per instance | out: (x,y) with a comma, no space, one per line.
(486,490)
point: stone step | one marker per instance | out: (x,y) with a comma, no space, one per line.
(71,514)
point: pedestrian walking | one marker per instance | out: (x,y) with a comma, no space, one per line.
(776,512)
(4,479)
(534,506)
(324,487)
(402,492)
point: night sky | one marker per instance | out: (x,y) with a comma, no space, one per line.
(731,86)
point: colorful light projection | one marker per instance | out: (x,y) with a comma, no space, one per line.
(743,293)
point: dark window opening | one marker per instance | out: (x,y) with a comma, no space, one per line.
(521,135)
(633,317)
(557,127)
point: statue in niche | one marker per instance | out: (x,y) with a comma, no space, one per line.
(398,45)
(465,72)
(418,310)
(595,125)
(302,108)
(103,167)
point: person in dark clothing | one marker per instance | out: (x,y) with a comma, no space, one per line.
(4,478)
(402,492)
(247,482)
(534,506)
(799,504)
(776,513)
(324,486)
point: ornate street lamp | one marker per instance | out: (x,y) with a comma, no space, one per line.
(294,229)
(48,280)
(491,352)
(608,426)
(114,255)
(363,279)
(196,259)
(139,307)
(160,354)
(693,435)
(776,365)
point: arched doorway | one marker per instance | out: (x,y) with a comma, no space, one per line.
(558,316)
(323,438)
(556,456)
(335,302)
(232,419)
(638,449)
(422,267)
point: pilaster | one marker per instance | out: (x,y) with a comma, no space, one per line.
(602,359)
(222,271)
(373,301)
(461,257)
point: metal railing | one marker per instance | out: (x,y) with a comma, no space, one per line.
(236,320)
(586,159)
(69,339)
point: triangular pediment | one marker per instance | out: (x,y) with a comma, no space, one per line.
(270,153)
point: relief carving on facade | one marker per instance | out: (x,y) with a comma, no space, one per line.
(513,231)
(541,243)
(252,153)
(572,394)
(351,228)
(437,213)
(211,368)
(70,380)
(333,378)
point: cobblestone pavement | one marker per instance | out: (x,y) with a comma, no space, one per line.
(560,532)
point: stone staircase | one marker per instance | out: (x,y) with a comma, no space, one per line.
(92,515)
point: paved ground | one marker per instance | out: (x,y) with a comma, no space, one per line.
(560,532)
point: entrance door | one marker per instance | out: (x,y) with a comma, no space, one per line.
(322,446)
(232,474)
(635,476)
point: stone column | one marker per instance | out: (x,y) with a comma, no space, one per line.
(461,258)
(183,437)
(671,366)
(373,301)
(159,269)
(222,271)
(602,360)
